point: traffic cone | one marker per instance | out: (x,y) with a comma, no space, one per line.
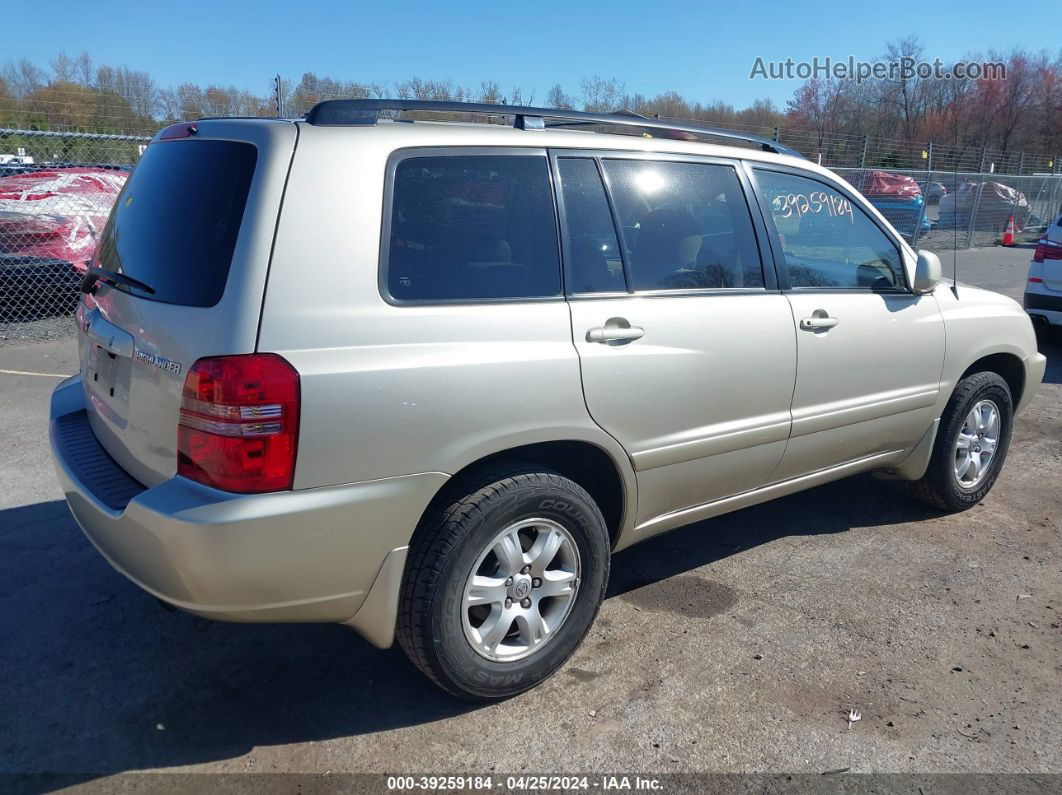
(1008,233)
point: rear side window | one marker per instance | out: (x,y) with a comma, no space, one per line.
(592,251)
(685,225)
(175,223)
(472,228)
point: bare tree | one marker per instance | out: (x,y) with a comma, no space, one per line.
(23,77)
(490,92)
(136,88)
(601,95)
(517,97)
(906,94)
(556,98)
(63,68)
(1015,97)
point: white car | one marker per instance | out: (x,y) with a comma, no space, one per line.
(1043,291)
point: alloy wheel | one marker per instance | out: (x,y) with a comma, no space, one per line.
(976,444)
(521,590)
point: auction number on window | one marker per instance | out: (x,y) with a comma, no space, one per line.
(817,202)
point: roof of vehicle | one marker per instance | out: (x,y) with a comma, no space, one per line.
(389,136)
(674,136)
(367,112)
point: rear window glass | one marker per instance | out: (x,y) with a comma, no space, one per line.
(473,227)
(175,223)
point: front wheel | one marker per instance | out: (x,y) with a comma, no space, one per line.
(971,444)
(505,578)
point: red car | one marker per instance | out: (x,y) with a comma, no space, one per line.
(50,220)
(898,197)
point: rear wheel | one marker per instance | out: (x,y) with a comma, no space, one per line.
(971,444)
(505,578)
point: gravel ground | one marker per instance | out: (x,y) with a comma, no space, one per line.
(40,330)
(735,645)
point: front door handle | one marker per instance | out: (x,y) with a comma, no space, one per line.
(819,320)
(616,331)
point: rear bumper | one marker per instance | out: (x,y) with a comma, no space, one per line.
(1045,305)
(307,555)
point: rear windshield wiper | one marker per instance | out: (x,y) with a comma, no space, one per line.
(93,275)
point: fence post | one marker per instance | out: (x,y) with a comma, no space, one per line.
(1021,163)
(977,200)
(866,144)
(925,197)
(917,231)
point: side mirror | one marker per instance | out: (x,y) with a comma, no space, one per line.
(927,272)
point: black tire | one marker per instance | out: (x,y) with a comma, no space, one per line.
(939,487)
(446,545)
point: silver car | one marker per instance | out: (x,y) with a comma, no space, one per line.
(424,378)
(1043,290)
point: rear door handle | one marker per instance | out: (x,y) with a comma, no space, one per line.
(819,320)
(616,330)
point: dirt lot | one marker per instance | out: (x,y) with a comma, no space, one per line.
(738,644)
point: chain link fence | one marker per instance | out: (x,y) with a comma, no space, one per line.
(57,189)
(946,210)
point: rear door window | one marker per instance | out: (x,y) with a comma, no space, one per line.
(174,225)
(685,225)
(592,252)
(472,227)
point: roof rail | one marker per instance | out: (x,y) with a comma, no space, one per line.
(356,112)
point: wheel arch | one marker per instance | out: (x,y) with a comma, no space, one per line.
(1006,363)
(1008,366)
(608,479)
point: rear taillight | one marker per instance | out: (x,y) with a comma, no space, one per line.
(239,423)
(1047,249)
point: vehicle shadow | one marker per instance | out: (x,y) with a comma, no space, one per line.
(97,678)
(861,501)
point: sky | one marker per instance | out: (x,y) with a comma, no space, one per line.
(704,51)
